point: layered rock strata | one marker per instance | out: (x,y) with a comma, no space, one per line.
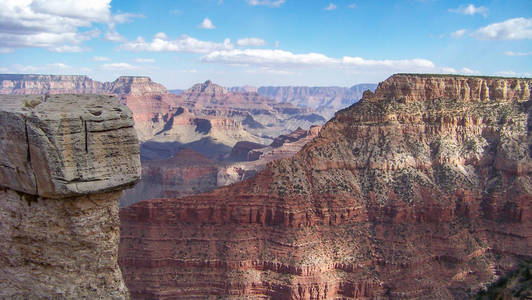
(63,165)
(27,84)
(324,100)
(284,146)
(403,195)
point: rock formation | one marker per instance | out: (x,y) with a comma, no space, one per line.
(52,84)
(324,100)
(419,190)
(186,173)
(189,172)
(133,85)
(24,84)
(209,111)
(256,158)
(63,165)
(205,112)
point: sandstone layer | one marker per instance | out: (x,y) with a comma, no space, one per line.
(64,161)
(418,191)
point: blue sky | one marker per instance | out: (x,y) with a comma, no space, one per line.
(265,42)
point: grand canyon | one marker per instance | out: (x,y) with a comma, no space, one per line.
(265,149)
(419,190)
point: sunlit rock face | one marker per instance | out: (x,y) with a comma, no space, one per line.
(416,191)
(64,161)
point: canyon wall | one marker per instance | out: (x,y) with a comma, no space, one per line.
(324,100)
(25,84)
(421,190)
(63,165)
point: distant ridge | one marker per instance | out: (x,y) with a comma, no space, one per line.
(76,84)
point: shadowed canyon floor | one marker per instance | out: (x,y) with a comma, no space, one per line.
(421,190)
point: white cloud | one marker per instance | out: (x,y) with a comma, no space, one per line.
(273,58)
(331,6)
(125,17)
(511,53)
(277,44)
(512,29)
(468,71)
(112,35)
(118,67)
(4,70)
(100,58)
(270,71)
(144,60)
(59,66)
(176,12)
(26,68)
(94,10)
(270,3)
(352,5)
(184,43)
(266,57)
(407,64)
(66,49)
(59,25)
(458,34)
(448,70)
(470,10)
(206,24)
(250,42)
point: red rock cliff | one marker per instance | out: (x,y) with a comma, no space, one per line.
(424,198)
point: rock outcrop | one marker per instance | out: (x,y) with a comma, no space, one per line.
(64,162)
(403,195)
(133,85)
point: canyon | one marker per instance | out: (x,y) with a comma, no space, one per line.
(324,100)
(206,113)
(65,161)
(188,172)
(422,189)
(206,118)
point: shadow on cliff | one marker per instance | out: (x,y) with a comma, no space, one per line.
(162,150)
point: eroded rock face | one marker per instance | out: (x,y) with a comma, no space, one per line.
(134,85)
(324,100)
(27,84)
(63,165)
(397,197)
(232,116)
(412,87)
(186,173)
(22,84)
(256,158)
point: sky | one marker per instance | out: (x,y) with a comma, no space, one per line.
(265,42)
